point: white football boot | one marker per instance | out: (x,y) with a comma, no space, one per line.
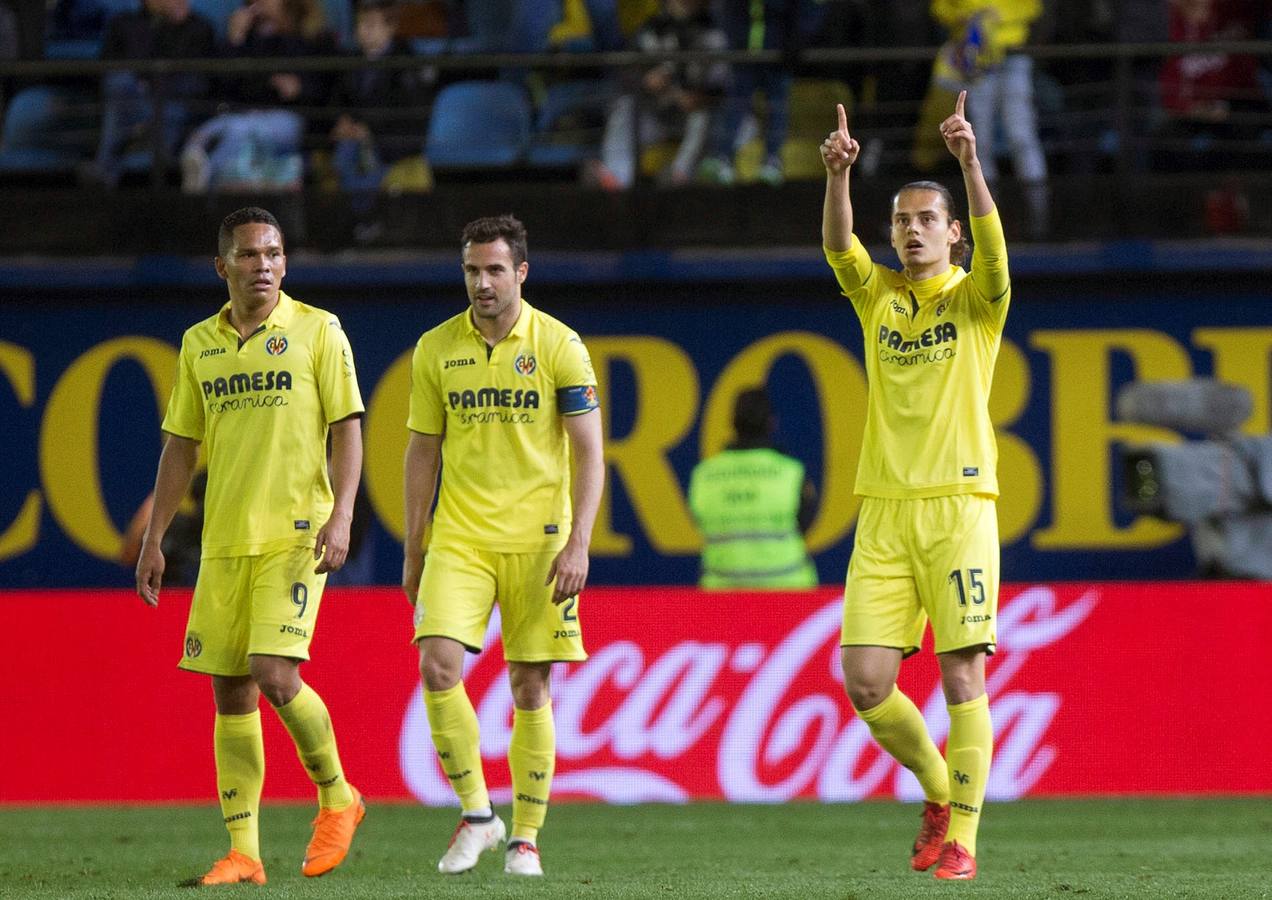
(468,842)
(522,858)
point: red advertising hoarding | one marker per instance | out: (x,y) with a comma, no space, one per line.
(1141,688)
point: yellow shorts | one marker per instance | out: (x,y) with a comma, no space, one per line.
(252,605)
(913,560)
(460,586)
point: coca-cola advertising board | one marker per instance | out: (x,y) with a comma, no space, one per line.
(1096,688)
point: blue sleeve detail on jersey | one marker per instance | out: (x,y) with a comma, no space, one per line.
(574,400)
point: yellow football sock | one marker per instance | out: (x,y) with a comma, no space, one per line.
(969,751)
(531,759)
(309,725)
(240,773)
(453,721)
(898,726)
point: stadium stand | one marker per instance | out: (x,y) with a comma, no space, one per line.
(478,124)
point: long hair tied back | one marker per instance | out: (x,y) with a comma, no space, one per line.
(961,250)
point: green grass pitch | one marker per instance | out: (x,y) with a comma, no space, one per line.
(1212,848)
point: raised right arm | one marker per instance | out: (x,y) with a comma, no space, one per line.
(839,151)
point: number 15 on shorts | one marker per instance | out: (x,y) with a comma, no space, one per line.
(968,583)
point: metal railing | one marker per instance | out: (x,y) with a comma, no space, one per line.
(1112,120)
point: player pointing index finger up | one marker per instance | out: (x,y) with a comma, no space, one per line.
(926,545)
(839,151)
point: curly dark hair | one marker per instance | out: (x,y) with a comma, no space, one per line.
(492,228)
(245,216)
(961,250)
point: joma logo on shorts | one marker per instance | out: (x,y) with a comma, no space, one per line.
(968,620)
(565,633)
(292,629)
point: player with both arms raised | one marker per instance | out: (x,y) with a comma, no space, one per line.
(927,536)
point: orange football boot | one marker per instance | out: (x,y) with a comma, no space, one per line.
(333,833)
(927,846)
(234,868)
(956,863)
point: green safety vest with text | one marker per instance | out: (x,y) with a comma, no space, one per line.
(746,503)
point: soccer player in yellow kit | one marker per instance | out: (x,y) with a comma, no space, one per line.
(260,385)
(927,535)
(501,394)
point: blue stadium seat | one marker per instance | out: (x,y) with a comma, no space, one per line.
(478,124)
(48,129)
(569,123)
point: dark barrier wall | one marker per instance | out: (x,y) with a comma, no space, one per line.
(85,374)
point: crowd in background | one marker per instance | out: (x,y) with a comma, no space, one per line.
(673,123)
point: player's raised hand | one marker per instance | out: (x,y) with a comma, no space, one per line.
(839,150)
(958,134)
(150,566)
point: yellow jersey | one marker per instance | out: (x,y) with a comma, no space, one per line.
(505,453)
(261,407)
(930,348)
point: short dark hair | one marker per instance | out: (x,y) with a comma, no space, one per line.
(492,228)
(245,216)
(753,414)
(962,248)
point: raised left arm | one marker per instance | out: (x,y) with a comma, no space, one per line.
(960,140)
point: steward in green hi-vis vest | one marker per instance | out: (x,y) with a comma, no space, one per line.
(750,502)
(746,504)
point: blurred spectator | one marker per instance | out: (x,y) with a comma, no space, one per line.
(983,55)
(757,25)
(633,14)
(587,25)
(161,29)
(670,98)
(884,99)
(382,112)
(752,505)
(1210,99)
(279,29)
(260,148)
